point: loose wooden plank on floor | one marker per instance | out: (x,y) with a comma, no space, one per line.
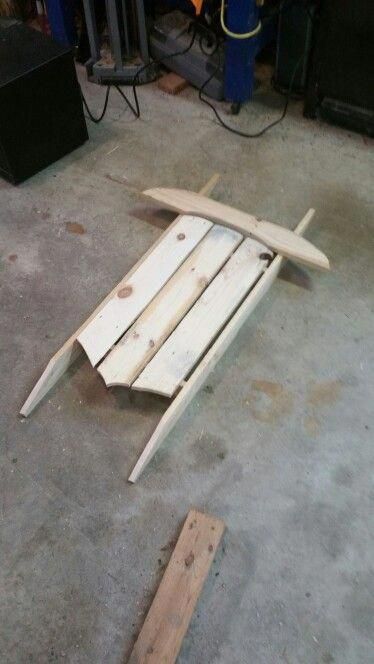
(171,611)
(132,298)
(278,238)
(186,344)
(142,341)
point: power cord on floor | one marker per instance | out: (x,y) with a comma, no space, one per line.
(135,111)
(262,131)
(90,115)
(160,61)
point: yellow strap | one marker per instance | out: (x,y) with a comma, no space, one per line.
(236,35)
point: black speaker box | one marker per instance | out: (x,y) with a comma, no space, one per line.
(341,80)
(41,115)
(293,46)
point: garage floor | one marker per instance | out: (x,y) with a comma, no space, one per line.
(279,443)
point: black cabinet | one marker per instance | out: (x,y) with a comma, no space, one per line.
(341,78)
(41,115)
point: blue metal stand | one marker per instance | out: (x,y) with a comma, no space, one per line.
(242,16)
(60,15)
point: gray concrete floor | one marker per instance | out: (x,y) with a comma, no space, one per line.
(278,443)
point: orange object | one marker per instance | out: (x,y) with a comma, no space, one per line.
(198,5)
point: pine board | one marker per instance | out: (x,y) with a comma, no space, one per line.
(280,239)
(133,296)
(201,325)
(171,611)
(129,357)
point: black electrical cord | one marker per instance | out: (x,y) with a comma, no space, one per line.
(90,115)
(136,110)
(160,61)
(262,131)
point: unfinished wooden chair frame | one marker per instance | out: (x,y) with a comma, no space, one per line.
(164,327)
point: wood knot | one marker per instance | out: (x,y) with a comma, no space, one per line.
(189,560)
(265,256)
(210,548)
(151,343)
(203,281)
(125,291)
(181,236)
